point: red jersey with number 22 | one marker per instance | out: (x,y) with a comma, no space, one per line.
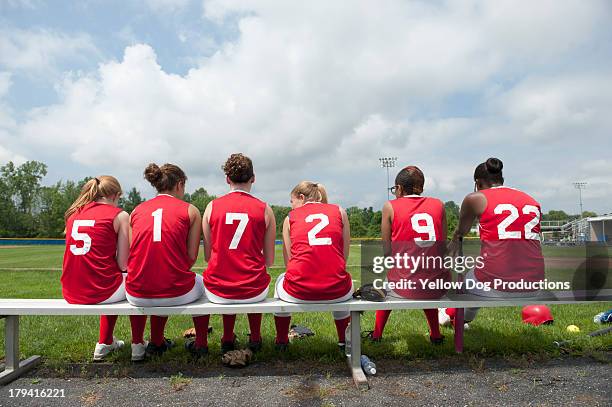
(317,269)
(90,273)
(237,268)
(159,266)
(509,231)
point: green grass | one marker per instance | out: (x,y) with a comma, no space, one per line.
(496,331)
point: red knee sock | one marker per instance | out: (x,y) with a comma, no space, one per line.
(282,329)
(341,325)
(138,323)
(255,327)
(432,321)
(228,327)
(107,325)
(381,321)
(157,329)
(201,327)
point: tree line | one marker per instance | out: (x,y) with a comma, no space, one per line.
(29,209)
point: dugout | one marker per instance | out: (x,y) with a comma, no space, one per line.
(600,228)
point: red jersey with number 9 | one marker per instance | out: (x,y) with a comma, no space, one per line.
(417,231)
(317,269)
(509,231)
(159,265)
(237,268)
(90,273)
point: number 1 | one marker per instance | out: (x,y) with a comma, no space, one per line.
(157,223)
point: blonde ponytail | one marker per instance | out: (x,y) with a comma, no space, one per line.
(312,191)
(94,189)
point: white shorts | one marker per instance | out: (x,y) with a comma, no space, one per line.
(281,294)
(220,300)
(118,295)
(193,295)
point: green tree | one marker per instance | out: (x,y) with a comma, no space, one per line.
(131,201)
(556,215)
(452,216)
(199,198)
(280,213)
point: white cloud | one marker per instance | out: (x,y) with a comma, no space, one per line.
(167,6)
(321,90)
(40,51)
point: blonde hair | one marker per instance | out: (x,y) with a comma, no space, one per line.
(94,189)
(312,191)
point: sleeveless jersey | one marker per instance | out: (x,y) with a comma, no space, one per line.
(317,269)
(237,268)
(417,231)
(90,273)
(159,266)
(509,233)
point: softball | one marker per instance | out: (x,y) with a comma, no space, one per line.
(572,328)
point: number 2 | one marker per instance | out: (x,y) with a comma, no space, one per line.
(81,237)
(313,240)
(242,219)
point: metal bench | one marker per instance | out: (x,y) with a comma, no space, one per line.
(12,309)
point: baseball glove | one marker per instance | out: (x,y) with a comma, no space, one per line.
(237,358)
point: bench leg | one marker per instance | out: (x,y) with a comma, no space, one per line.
(354,359)
(13,367)
(459,321)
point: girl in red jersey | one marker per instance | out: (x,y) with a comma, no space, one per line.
(239,236)
(316,239)
(96,254)
(165,237)
(415,225)
(509,225)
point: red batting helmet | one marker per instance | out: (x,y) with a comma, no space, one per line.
(537,315)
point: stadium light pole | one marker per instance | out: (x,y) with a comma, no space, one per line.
(580,186)
(388,162)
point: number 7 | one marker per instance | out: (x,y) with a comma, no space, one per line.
(243,219)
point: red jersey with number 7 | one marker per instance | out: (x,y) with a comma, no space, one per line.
(159,265)
(90,273)
(510,234)
(317,269)
(237,268)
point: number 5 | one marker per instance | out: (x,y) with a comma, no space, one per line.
(81,237)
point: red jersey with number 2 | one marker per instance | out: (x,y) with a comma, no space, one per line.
(509,231)
(417,231)
(159,265)
(317,269)
(237,268)
(90,273)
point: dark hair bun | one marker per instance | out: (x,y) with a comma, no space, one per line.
(494,165)
(153,173)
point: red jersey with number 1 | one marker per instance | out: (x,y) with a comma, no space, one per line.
(237,268)
(418,231)
(317,269)
(90,273)
(159,265)
(509,231)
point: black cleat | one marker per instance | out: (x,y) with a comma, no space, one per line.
(154,350)
(227,346)
(255,346)
(281,347)
(196,352)
(437,341)
(370,336)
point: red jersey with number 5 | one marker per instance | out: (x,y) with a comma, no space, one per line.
(418,231)
(90,273)
(317,269)
(510,234)
(237,268)
(159,265)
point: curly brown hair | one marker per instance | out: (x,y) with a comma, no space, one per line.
(164,178)
(238,168)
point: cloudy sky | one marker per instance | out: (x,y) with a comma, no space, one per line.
(314,90)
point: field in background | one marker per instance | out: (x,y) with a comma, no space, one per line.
(34,272)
